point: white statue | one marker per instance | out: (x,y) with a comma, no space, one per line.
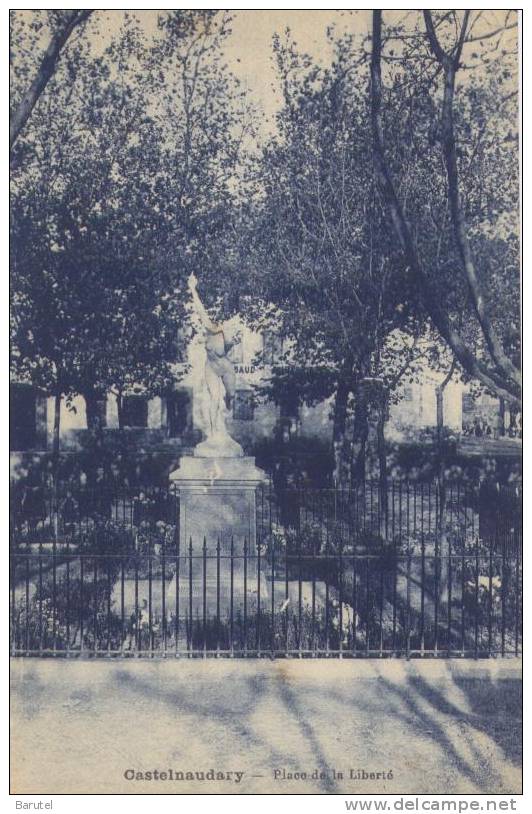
(218,386)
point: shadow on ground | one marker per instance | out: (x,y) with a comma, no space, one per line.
(341,727)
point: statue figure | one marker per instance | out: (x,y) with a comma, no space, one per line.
(218,385)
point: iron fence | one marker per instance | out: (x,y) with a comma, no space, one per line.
(405,509)
(39,514)
(330,573)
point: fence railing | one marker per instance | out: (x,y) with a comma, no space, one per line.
(330,573)
(42,515)
(406,509)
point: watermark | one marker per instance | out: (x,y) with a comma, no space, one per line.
(422,804)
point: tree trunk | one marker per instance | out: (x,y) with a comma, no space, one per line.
(383,468)
(360,437)
(500,418)
(56,440)
(94,410)
(443,543)
(91,410)
(495,377)
(439,411)
(95,426)
(450,65)
(119,410)
(56,448)
(441,530)
(340,440)
(440,417)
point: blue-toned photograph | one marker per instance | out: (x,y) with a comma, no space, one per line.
(265,402)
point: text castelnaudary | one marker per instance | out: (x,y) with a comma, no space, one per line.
(171,774)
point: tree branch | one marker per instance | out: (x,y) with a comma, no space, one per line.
(450,65)
(491,379)
(44,73)
(482,37)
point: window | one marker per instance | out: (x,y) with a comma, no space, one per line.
(179,412)
(243,405)
(22,417)
(272,348)
(408,393)
(468,403)
(135,411)
(289,406)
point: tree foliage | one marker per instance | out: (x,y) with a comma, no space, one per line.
(382,211)
(466,135)
(119,183)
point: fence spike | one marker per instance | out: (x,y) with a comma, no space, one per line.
(490,536)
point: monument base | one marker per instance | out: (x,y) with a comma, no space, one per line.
(217,503)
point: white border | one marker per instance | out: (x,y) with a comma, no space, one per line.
(260,803)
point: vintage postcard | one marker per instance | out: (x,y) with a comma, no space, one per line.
(265,402)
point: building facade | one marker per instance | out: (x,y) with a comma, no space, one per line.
(175,420)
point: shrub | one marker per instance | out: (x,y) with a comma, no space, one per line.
(297,462)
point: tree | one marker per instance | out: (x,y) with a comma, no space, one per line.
(80,271)
(106,223)
(206,125)
(492,364)
(321,268)
(61,31)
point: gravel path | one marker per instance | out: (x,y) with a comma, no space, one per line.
(230,726)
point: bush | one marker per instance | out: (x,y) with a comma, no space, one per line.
(420,459)
(297,462)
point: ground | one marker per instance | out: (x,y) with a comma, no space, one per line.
(423,726)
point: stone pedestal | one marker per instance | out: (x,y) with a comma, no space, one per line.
(217,502)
